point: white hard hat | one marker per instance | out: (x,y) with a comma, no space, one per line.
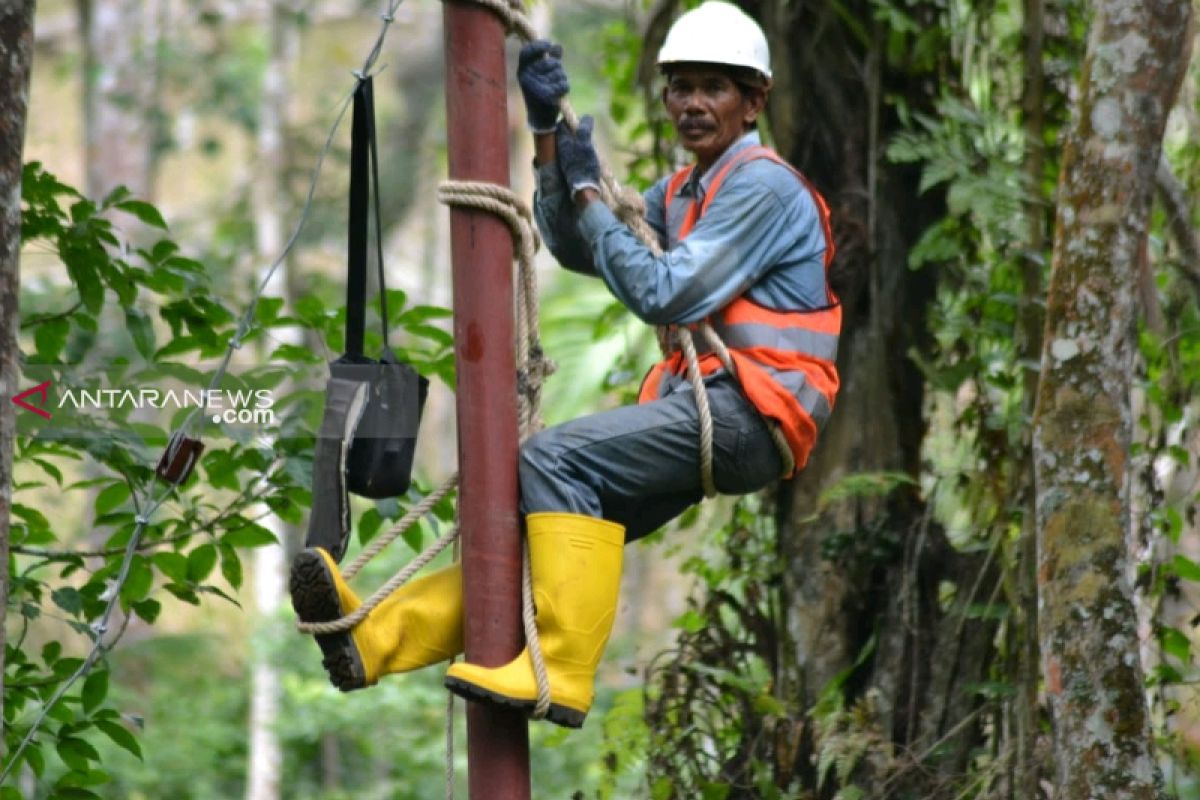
(717,33)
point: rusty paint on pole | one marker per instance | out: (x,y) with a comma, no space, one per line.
(481,256)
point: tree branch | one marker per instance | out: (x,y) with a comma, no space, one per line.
(38,319)
(1179,221)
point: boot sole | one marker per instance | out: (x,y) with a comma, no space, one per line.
(558,714)
(315,599)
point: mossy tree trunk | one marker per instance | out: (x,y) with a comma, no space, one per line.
(1136,56)
(16,56)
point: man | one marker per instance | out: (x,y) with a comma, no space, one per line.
(746,247)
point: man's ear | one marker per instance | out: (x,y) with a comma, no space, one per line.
(756,101)
(663,95)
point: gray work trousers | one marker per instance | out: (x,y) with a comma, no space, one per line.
(639,465)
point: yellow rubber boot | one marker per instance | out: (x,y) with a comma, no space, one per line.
(575,562)
(417,625)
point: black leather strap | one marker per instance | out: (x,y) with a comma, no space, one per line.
(364,181)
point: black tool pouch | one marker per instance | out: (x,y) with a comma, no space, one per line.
(367,440)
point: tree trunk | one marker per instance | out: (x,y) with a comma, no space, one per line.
(1025,775)
(1136,57)
(118,80)
(265,758)
(16,56)
(885,593)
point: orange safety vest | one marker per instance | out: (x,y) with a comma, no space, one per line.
(785,360)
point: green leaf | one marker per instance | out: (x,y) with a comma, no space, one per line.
(690,621)
(419,314)
(267,310)
(369,524)
(50,337)
(148,609)
(76,753)
(714,791)
(73,793)
(95,689)
(83,261)
(296,354)
(219,593)
(139,580)
(436,335)
(121,736)
(143,211)
(173,565)
(865,484)
(414,537)
(141,331)
(767,705)
(201,562)
(49,469)
(115,196)
(92,777)
(36,760)
(51,652)
(31,516)
(231,567)
(249,536)
(1185,568)
(1163,674)
(185,593)
(111,498)
(986,611)
(1176,643)
(68,599)
(991,690)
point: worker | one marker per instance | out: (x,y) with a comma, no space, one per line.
(747,247)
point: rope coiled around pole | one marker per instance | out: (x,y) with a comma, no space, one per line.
(532,367)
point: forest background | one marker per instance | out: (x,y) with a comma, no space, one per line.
(975,590)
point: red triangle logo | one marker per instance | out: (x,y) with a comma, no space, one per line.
(42,390)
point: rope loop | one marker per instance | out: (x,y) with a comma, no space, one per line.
(532,365)
(707,481)
(512,14)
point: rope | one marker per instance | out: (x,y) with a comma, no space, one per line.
(407,521)
(531,365)
(371,603)
(706,426)
(773,427)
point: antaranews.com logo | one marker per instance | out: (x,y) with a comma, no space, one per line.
(80,407)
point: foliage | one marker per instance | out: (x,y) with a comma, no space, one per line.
(722,722)
(93,471)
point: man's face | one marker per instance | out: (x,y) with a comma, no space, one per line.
(709,110)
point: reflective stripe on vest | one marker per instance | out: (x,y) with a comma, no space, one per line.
(784,359)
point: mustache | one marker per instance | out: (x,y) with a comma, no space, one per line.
(695,124)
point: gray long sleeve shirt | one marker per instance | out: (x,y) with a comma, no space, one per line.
(761,237)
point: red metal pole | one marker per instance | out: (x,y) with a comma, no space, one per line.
(481,257)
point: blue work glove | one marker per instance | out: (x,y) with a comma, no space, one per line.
(543,83)
(577,159)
